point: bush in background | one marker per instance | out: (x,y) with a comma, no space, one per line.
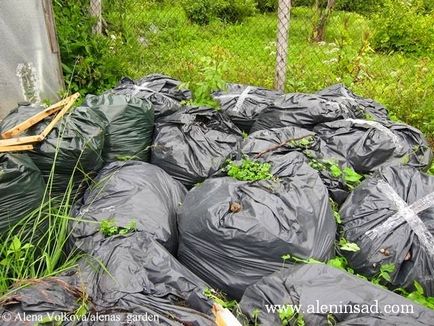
(230,11)
(265,6)
(400,26)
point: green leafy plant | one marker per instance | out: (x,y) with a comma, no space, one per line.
(211,80)
(384,274)
(288,316)
(249,170)
(108,227)
(348,246)
(220,298)
(401,26)
(417,295)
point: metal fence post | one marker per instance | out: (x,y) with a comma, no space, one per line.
(283,17)
(96,11)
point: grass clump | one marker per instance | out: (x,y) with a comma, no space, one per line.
(249,170)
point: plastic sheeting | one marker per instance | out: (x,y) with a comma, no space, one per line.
(368,145)
(29,59)
(233,232)
(192,144)
(21,188)
(312,286)
(391,218)
(243,103)
(130,126)
(125,192)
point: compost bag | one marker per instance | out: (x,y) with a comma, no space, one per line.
(344,298)
(232,233)
(391,218)
(135,273)
(303,110)
(21,188)
(332,167)
(44,299)
(166,85)
(363,108)
(243,103)
(74,146)
(163,103)
(368,145)
(131,123)
(193,144)
(133,194)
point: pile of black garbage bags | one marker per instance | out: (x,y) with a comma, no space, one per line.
(146,160)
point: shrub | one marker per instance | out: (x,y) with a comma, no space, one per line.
(267,5)
(231,11)
(400,27)
(362,7)
(234,11)
(199,11)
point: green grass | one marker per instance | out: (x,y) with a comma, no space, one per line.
(157,38)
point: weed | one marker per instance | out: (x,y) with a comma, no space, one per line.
(249,170)
(288,316)
(108,227)
(220,298)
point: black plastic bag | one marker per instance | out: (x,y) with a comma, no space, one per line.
(44,299)
(368,145)
(271,143)
(312,287)
(243,103)
(391,218)
(193,144)
(131,124)
(129,193)
(166,85)
(74,146)
(232,233)
(163,101)
(136,274)
(302,110)
(21,188)
(362,107)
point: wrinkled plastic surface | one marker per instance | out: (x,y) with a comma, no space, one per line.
(369,207)
(362,107)
(277,141)
(303,110)
(130,191)
(166,85)
(163,95)
(314,285)
(192,144)
(74,145)
(21,188)
(233,248)
(143,277)
(243,103)
(367,147)
(130,127)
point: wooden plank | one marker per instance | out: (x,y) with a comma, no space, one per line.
(17,148)
(223,317)
(23,126)
(70,103)
(18,129)
(21,140)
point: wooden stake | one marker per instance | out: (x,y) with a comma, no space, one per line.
(18,148)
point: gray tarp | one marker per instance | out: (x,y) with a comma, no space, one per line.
(28,42)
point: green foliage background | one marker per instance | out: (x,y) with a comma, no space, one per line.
(385,54)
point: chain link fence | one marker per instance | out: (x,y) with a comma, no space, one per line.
(298,46)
